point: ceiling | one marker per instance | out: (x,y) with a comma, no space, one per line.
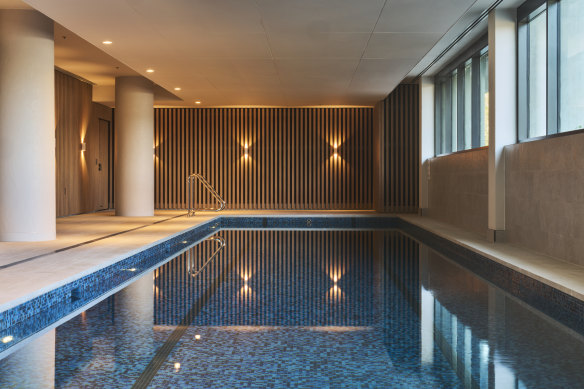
(250,53)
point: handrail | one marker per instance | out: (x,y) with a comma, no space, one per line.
(215,238)
(214,193)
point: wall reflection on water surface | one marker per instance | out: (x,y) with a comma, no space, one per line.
(430,313)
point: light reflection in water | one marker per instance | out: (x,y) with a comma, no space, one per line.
(435,322)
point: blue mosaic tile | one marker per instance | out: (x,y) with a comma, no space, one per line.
(291,328)
(566,309)
(56,304)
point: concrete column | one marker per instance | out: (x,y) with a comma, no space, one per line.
(134,167)
(27,127)
(502,110)
(426,139)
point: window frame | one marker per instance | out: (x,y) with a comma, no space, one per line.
(443,79)
(553,87)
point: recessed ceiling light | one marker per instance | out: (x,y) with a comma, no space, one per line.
(177,88)
(107,42)
(149,70)
(197,102)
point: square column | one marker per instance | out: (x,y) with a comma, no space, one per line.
(502,110)
(427,108)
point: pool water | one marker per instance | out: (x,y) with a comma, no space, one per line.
(309,309)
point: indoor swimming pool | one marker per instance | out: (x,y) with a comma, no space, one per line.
(304,308)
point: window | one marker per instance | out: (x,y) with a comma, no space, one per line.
(551,56)
(571,60)
(462,94)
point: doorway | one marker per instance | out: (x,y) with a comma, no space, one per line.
(102,167)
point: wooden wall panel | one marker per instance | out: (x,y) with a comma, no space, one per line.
(76,121)
(72,116)
(290,163)
(399,154)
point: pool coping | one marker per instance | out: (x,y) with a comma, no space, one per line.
(534,291)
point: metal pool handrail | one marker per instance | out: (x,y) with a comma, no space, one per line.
(215,238)
(190,180)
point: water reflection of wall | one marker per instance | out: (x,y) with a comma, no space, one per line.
(491,339)
(33,366)
(400,278)
(274,278)
(106,337)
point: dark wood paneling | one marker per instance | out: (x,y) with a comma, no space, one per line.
(72,117)
(399,149)
(290,164)
(76,121)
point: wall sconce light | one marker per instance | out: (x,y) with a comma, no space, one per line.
(336,154)
(83,146)
(246,148)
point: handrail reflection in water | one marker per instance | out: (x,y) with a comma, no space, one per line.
(191,264)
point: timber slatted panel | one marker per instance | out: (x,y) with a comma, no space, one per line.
(72,119)
(400,149)
(290,163)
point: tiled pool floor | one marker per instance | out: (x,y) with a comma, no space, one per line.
(113,238)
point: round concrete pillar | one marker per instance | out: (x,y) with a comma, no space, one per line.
(134,167)
(27,127)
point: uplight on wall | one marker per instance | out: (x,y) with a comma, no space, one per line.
(336,154)
(83,146)
(246,147)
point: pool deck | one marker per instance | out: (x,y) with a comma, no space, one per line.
(89,242)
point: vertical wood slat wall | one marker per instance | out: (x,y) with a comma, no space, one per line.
(400,149)
(290,162)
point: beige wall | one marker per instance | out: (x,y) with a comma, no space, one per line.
(458,189)
(545,196)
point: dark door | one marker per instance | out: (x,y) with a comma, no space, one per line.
(102,166)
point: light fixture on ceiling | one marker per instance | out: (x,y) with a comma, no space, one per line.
(107,42)
(197,102)
(177,88)
(149,70)
(7,339)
